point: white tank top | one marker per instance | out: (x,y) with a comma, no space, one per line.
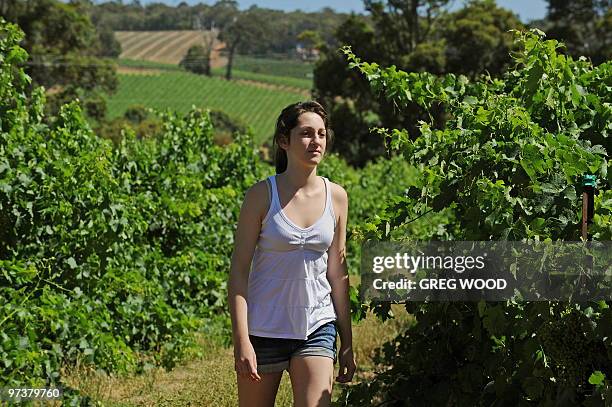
(289,295)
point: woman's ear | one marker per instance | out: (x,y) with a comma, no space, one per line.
(283,141)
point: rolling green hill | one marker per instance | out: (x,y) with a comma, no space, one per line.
(255,105)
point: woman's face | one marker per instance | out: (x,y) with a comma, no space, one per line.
(308,140)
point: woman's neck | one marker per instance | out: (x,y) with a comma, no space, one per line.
(300,178)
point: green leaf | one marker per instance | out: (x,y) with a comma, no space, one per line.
(597,378)
(534,76)
(71,262)
(494,320)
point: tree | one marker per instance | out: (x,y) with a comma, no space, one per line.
(197,60)
(584,25)
(64,50)
(469,41)
(346,94)
(401,33)
(478,38)
(206,23)
(215,19)
(405,23)
(245,28)
(109,46)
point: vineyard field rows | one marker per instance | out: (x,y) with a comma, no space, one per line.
(163,46)
(297,85)
(179,91)
(276,67)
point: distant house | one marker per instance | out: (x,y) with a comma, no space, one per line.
(306,53)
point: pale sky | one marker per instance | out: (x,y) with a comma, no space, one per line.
(526,9)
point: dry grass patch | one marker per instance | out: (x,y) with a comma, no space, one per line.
(210,380)
(131,70)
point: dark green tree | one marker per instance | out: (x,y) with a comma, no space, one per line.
(65,52)
(346,94)
(414,36)
(478,38)
(245,28)
(585,26)
(405,24)
(197,60)
(109,46)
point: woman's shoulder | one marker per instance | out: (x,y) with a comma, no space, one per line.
(257,197)
(339,196)
(259,188)
(338,192)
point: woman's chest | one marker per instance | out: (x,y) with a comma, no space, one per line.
(279,234)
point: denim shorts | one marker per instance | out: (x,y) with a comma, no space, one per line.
(273,354)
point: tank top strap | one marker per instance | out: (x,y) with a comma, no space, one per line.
(274,192)
(328,203)
(271,187)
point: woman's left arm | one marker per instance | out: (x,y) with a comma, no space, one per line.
(337,275)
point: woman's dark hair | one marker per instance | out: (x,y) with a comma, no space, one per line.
(287,120)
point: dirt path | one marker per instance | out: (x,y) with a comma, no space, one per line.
(129,70)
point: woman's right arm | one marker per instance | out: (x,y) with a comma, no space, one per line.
(247,233)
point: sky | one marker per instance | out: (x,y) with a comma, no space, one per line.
(527,10)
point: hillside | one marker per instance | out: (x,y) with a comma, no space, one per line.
(164,46)
(252,103)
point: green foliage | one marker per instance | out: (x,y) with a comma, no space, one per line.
(197,60)
(296,85)
(478,39)
(109,46)
(507,166)
(65,51)
(414,36)
(225,126)
(180,91)
(136,113)
(108,255)
(274,67)
(384,179)
(585,26)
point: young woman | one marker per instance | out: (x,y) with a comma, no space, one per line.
(288,283)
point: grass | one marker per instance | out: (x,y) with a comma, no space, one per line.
(286,81)
(133,63)
(209,379)
(258,106)
(274,67)
(299,83)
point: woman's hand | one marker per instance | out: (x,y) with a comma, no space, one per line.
(347,365)
(245,360)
